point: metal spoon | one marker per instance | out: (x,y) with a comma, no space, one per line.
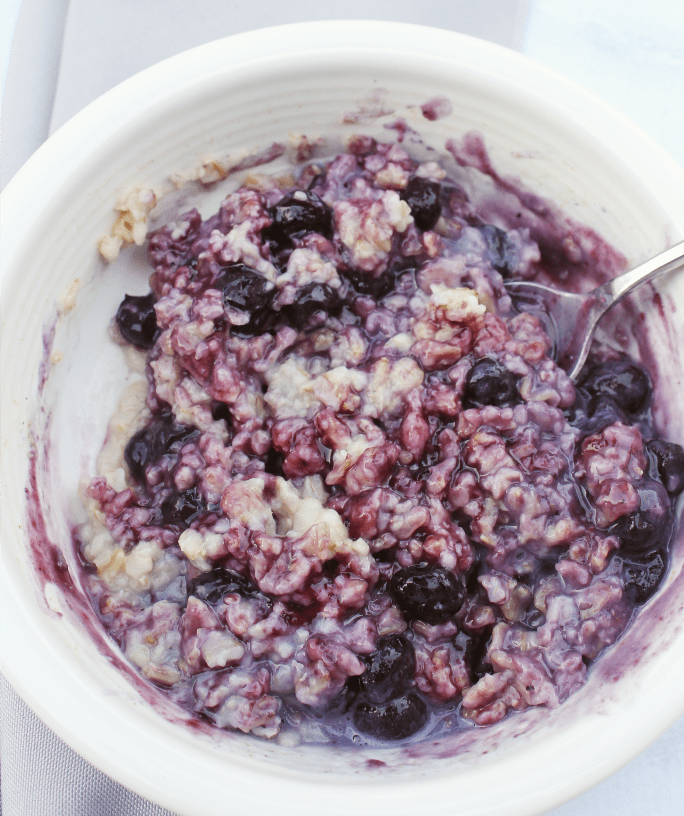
(574,316)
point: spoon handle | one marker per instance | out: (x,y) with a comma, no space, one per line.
(598,301)
(622,285)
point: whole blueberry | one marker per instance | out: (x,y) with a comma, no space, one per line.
(649,524)
(489,382)
(213,586)
(160,437)
(378,286)
(623,381)
(313,298)
(244,288)
(427,592)
(669,458)
(181,507)
(138,454)
(390,669)
(170,436)
(297,214)
(642,575)
(500,250)
(247,290)
(398,719)
(137,320)
(424,197)
(603,411)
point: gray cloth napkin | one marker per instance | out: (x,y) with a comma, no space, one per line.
(42,776)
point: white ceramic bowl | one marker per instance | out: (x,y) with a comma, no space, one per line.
(61,377)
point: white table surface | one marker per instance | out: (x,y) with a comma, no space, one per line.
(628,52)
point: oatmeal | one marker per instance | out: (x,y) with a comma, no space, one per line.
(356,498)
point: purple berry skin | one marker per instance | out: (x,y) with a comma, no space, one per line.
(642,575)
(424,197)
(499,248)
(137,320)
(489,382)
(398,719)
(669,459)
(313,298)
(390,669)
(427,592)
(623,381)
(297,214)
(162,436)
(213,586)
(650,524)
(250,292)
(180,508)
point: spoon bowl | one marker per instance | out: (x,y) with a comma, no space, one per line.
(572,318)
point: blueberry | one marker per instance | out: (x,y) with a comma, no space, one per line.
(489,382)
(424,197)
(604,411)
(160,437)
(137,320)
(390,669)
(245,289)
(138,454)
(297,214)
(669,459)
(623,381)
(427,592)
(649,523)
(379,286)
(642,576)
(398,719)
(181,507)
(213,586)
(500,249)
(169,437)
(313,298)
(600,412)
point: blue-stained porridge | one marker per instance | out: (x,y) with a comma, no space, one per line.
(355,491)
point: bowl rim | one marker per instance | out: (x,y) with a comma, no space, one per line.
(54,162)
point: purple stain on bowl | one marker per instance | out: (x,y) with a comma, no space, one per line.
(436,108)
